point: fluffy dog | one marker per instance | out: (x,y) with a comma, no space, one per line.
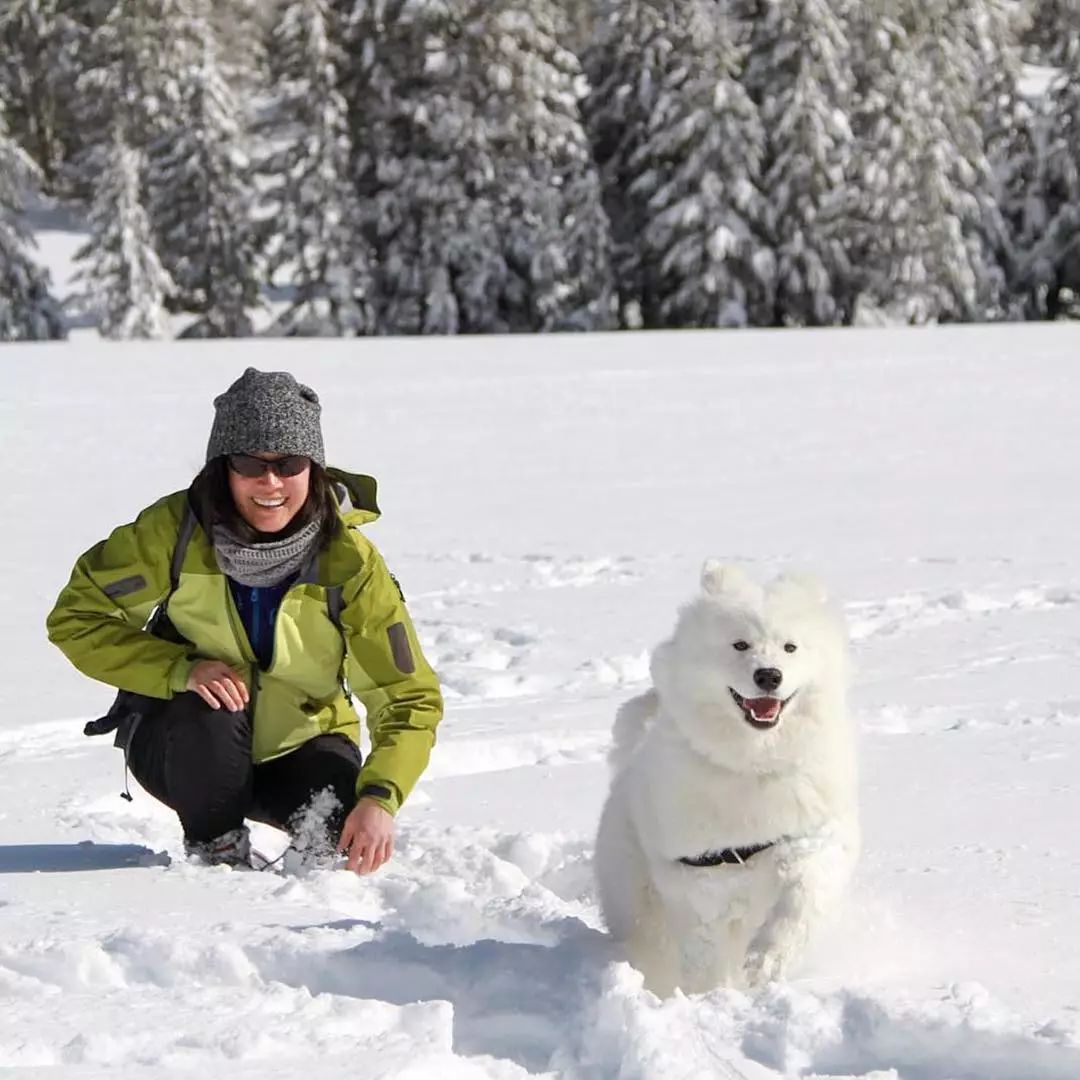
(731,823)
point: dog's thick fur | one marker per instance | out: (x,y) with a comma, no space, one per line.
(699,769)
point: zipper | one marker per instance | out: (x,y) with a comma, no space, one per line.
(253,692)
(256,626)
(237,624)
(246,650)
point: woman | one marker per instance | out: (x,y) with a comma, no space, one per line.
(279,607)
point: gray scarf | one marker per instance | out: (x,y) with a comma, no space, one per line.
(259,565)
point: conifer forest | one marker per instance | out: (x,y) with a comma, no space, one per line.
(375,167)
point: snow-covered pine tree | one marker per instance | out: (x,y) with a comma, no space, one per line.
(929,238)
(308,186)
(627,50)
(1053,29)
(954,39)
(421,170)
(38,44)
(130,64)
(202,198)
(695,181)
(242,29)
(555,231)
(28,311)
(798,71)
(1006,121)
(478,194)
(126,284)
(580,15)
(1053,263)
(910,260)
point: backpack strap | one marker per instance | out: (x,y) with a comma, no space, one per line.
(183,538)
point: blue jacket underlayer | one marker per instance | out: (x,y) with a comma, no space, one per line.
(258,608)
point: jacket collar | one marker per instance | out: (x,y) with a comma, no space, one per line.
(356,495)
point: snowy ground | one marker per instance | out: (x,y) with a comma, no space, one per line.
(547,505)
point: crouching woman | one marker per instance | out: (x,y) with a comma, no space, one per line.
(274,609)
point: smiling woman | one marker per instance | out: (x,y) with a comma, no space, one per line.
(269,490)
(264,607)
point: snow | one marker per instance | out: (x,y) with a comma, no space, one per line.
(547,505)
(1036,80)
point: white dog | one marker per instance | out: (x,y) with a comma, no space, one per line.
(731,823)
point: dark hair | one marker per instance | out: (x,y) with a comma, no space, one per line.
(213,503)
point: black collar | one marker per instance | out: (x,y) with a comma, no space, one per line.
(727,857)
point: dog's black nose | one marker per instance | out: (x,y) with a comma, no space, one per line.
(768,678)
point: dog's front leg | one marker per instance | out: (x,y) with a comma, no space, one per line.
(701,967)
(781,936)
(812,877)
(706,923)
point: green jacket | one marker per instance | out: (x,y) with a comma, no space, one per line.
(98,619)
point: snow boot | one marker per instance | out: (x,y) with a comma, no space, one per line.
(232,848)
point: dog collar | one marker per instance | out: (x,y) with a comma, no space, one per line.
(727,857)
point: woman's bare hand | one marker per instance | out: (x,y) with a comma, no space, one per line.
(218,685)
(367,837)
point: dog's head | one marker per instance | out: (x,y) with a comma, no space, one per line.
(752,675)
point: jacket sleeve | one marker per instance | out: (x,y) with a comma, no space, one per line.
(396,685)
(98,618)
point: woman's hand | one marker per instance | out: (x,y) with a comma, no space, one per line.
(218,685)
(367,837)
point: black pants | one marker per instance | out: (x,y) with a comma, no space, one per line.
(197,760)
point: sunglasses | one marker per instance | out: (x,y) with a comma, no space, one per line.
(251,467)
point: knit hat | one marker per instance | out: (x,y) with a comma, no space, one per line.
(267,411)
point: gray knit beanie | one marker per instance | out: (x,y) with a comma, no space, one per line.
(267,411)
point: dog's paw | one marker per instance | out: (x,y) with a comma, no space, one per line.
(761,968)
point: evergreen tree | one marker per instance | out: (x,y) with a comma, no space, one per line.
(628,49)
(799,73)
(580,15)
(127,284)
(308,184)
(242,29)
(1052,32)
(133,59)
(963,43)
(38,45)
(695,181)
(906,214)
(1006,122)
(1053,264)
(556,233)
(201,195)
(477,191)
(929,239)
(27,310)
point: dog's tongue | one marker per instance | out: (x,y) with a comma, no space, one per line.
(763,708)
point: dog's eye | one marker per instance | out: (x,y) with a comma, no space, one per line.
(790,647)
(741,646)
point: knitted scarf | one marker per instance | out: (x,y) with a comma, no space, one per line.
(259,565)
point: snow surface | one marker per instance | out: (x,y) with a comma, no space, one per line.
(548,503)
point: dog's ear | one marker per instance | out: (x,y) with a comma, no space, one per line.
(802,584)
(723,579)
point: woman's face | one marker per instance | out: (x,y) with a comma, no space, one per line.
(268,502)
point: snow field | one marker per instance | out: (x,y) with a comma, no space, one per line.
(540,576)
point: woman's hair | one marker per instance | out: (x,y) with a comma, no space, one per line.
(213,502)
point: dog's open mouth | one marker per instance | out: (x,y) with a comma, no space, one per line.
(761,712)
